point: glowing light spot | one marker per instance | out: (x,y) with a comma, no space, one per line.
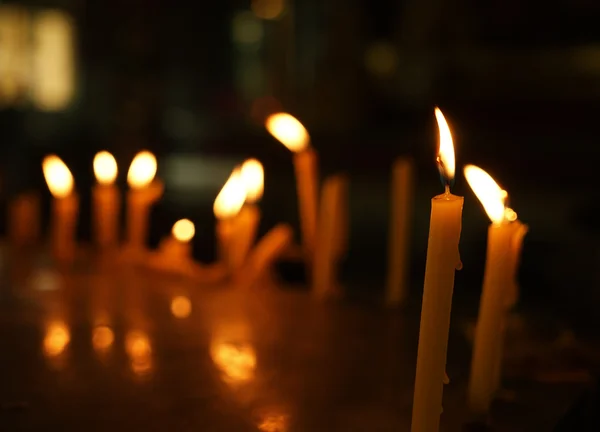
(236,361)
(139,350)
(253,177)
(247,29)
(102,338)
(105,168)
(288,131)
(57,338)
(58,177)
(181,307)
(184,230)
(231,198)
(142,170)
(268,9)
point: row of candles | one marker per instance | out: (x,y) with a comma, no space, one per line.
(323,225)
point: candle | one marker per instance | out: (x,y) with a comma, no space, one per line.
(326,257)
(226,207)
(176,249)
(498,282)
(142,194)
(442,260)
(294,136)
(106,200)
(65,207)
(400,225)
(24,220)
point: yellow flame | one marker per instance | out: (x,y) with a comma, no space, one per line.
(181,307)
(236,361)
(142,170)
(57,338)
(184,230)
(105,168)
(289,131)
(231,198)
(139,350)
(58,177)
(446,150)
(102,338)
(488,192)
(253,177)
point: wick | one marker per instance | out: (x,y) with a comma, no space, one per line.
(447,189)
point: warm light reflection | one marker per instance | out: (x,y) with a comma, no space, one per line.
(139,350)
(274,422)
(102,338)
(231,198)
(253,177)
(267,9)
(184,230)
(181,307)
(446,151)
(488,192)
(58,177)
(142,170)
(105,168)
(57,338)
(289,131)
(236,361)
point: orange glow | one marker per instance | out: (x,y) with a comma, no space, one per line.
(289,131)
(253,177)
(181,307)
(231,198)
(273,422)
(488,192)
(139,350)
(58,177)
(184,230)
(102,338)
(142,170)
(268,9)
(236,361)
(446,151)
(105,168)
(57,338)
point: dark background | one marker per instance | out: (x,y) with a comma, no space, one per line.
(519,83)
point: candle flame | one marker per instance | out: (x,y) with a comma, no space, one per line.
(491,196)
(181,307)
(253,177)
(231,198)
(105,168)
(236,361)
(142,170)
(289,131)
(445,158)
(102,338)
(58,177)
(139,350)
(57,338)
(184,230)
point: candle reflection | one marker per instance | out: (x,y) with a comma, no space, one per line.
(57,338)
(181,307)
(102,339)
(139,351)
(274,422)
(237,362)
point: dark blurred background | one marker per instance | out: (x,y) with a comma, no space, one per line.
(519,83)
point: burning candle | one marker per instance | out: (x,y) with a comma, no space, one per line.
(24,220)
(498,284)
(226,207)
(442,260)
(106,199)
(290,132)
(400,225)
(65,207)
(177,248)
(142,194)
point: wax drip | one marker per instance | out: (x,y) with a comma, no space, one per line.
(459,264)
(446,378)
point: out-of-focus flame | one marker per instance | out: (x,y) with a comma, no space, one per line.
(231,198)
(105,168)
(236,361)
(289,131)
(445,158)
(273,422)
(253,177)
(488,192)
(184,230)
(142,170)
(139,350)
(58,177)
(510,215)
(57,338)
(102,338)
(181,307)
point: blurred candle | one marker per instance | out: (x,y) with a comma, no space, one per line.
(24,220)
(442,260)
(177,247)
(65,208)
(226,207)
(498,282)
(399,237)
(291,133)
(143,193)
(325,261)
(106,200)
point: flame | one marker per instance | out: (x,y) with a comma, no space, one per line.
(446,152)
(102,338)
(289,131)
(105,168)
(139,350)
(181,307)
(236,361)
(253,177)
(231,198)
(184,230)
(58,177)
(57,338)
(142,170)
(488,192)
